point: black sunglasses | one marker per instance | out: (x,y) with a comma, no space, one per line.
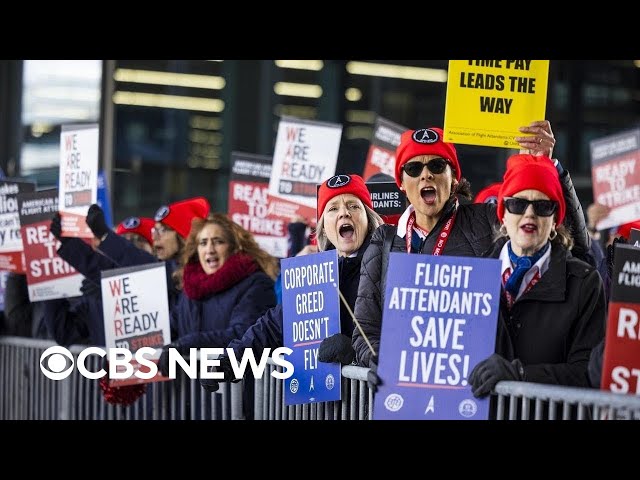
(414,169)
(542,208)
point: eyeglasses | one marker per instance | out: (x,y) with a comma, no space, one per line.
(414,169)
(542,208)
(160,231)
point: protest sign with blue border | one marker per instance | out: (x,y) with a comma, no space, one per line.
(311,313)
(439,320)
(103,199)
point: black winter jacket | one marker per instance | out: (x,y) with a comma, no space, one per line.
(472,235)
(553,327)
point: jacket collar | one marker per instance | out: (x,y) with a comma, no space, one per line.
(553,284)
(447,210)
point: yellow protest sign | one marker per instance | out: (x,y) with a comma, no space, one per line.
(487,100)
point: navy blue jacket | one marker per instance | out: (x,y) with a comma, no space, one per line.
(123,252)
(85,259)
(81,319)
(221,317)
(267,331)
(75,320)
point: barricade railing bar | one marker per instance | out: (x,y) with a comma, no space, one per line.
(356,403)
(26,393)
(534,401)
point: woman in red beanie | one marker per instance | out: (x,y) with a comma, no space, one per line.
(552,310)
(346,222)
(428,170)
(488,194)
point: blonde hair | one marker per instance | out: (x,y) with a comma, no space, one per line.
(373,220)
(240,240)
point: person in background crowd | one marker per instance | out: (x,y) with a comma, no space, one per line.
(346,223)
(623,234)
(23,318)
(384,178)
(226,283)
(171,228)
(85,258)
(301,241)
(552,308)
(625,229)
(299,235)
(139,231)
(488,194)
(80,320)
(595,213)
(72,321)
(428,170)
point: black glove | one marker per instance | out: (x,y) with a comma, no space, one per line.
(163,361)
(56,228)
(95,221)
(594,367)
(373,380)
(336,348)
(611,252)
(90,288)
(212,385)
(494,369)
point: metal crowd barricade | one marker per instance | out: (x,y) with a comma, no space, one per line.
(28,394)
(356,403)
(533,401)
(513,401)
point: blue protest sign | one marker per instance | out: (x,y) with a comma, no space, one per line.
(311,313)
(103,199)
(439,320)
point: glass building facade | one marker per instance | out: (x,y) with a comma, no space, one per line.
(169,127)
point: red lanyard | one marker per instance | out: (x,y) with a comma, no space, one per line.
(505,277)
(442,237)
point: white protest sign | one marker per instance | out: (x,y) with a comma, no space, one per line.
(78,184)
(136,309)
(306,153)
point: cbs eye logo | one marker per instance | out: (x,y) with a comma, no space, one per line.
(56,363)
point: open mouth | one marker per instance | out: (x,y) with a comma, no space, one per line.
(529,228)
(346,231)
(211,262)
(428,195)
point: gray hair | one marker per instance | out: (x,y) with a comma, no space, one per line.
(373,220)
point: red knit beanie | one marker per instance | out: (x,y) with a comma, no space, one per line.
(488,194)
(339,185)
(426,141)
(178,215)
(140,225)
(528,172)
(625,230)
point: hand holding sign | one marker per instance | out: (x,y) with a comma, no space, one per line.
(541,142)
(336,348)
(96,222)
(212,385)
(56,228)
(494,369)
(373,380)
